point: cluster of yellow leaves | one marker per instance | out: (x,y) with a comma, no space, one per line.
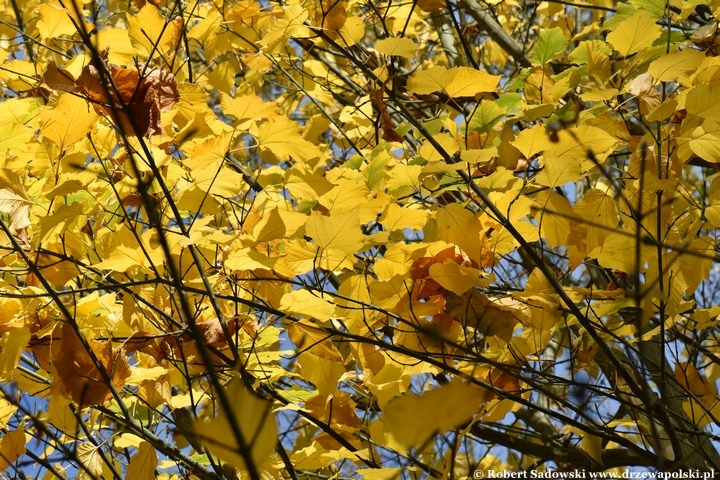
(301,231)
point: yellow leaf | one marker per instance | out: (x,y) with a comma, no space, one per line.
(289,26)
(60,414)
(141,374)
(218,181)
(555,217)
(591,444)
(676,66)
(123,252)
(14,200)
(66,119)
(303,303)
(59,222)
(313,339)
(439,409)
(469,82)
(150,34)
(398,218)
(664,111)
(577,142)
(393,263)
(459,226)
(54,22)
(390,473)
(598,210)
(456,278)
(331,16)
(12,445)
(143,464)
(19,74)
(634,34)
(321,372)
(117,41)
(304,184)
(19,111)
(247,107)
(403,179)
(12,344)
(339,231)
(475,156)
(282,139)
(125,440)
(208,26)
(447,143)
(557,172)
(352,31)
(7,409)
(532,140)
(398,47)
(618,252)
(599,95)
(696,268)
(431,80)
(90,456)
(248,259)
(211,151)
(705,141)
(255,422)
(277,224)
(345,196)
(704,101)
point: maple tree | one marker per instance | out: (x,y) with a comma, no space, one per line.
(419,238)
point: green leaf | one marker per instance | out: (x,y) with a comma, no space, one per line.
(550,42)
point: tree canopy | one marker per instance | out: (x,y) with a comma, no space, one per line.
(358,239)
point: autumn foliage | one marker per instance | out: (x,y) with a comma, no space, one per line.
(358,239)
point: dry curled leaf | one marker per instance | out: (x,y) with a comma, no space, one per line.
(132,98)
(79,376)
(137,102)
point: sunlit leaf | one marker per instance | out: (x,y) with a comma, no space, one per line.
(66,119)
(143,464)
(254,423)
(400,47)
(550,42)
(634,34)
(339,231)
(440,409)
(282,139)
(468,82)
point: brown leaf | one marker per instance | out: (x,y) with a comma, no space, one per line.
(78,376)
(647,95)
(145,98)
(212,333)
(56,78)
